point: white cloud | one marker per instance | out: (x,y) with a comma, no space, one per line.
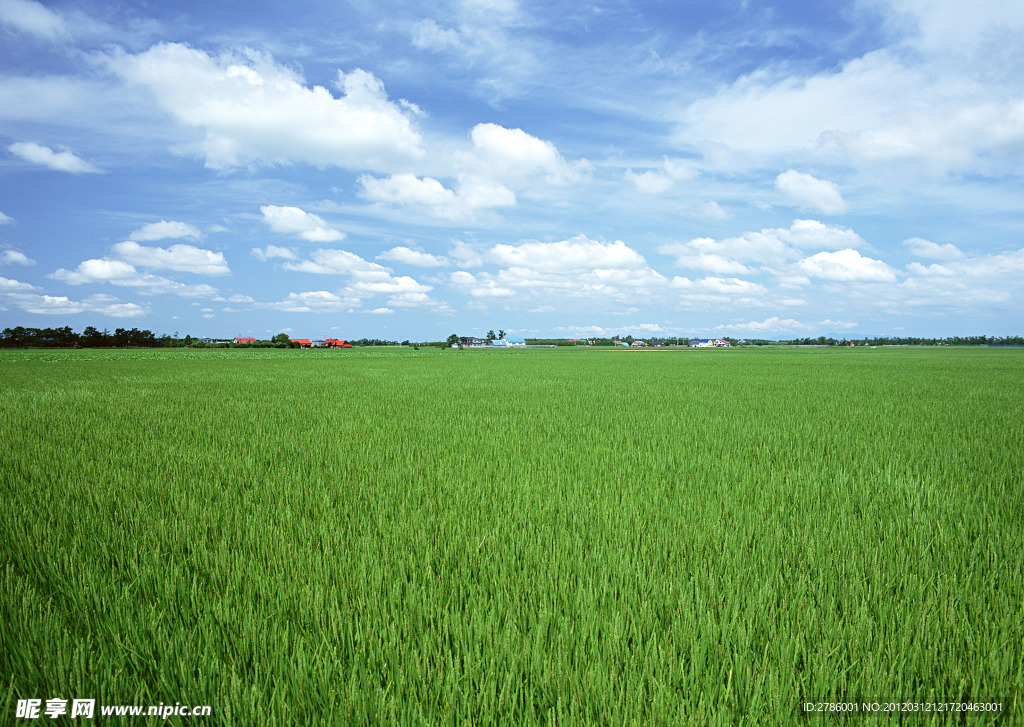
(97,271)
(717,286)
(808,234)
(314,301)
(485,288)
(32,18)
(7,285)
(578,254)
(931,108)
(465,255)
(575,268)
(379,311)
(61,305)
(412,299)
(663,179)
(118,272)
(254,111)
(61,161)
(13,257)
(334,262)
(773,246)
(516,157)
(811,192)
(648,182)
(976,270)
(708,211)
(273,251)
(180,257)
(365,278)
(775,324)
(428,35)
(433,198)
(5,219)
(927,249)
(164,230)
(847,265)
(402,254)
(295,221)
(382,283)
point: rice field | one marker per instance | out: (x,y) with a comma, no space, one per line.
(515,537)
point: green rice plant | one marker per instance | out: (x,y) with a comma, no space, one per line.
(514,537)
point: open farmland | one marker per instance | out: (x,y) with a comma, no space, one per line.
(514,537)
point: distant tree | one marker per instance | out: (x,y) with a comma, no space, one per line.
(501,335)
(490,335)
(453,340)
(281,338)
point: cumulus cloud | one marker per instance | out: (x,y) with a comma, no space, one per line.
(333,262)
(465,255)
(775,324)
(313,301)
(718,287)
(516,157)
(648,182)
(32,18)
(811,192)
(578,254)
(574,268)
(661,179)
(13,257)
(295,221)
(61,305)
(927,249)
(365,278)
(61,161)
(479,288)
(402,254)
(847,266)
(641,328)
(121,270)
(253,111)
(433,198)
(271,252)
(166,230)
(97,271)
(772,247)
(8,285)
(181,257)
(5,219)
(925,105)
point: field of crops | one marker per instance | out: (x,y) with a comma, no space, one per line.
(514,537)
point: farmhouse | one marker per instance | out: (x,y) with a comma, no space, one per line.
(246,339)
(709,343)
(499,343)
(337,343)
(516,342)
(639,344)
(303,342)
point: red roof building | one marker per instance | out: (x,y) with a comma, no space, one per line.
(337,343)
(303,342)
(248,339)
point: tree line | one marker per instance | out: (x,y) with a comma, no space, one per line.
(92,337)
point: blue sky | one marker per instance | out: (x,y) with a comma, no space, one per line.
(412,169)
